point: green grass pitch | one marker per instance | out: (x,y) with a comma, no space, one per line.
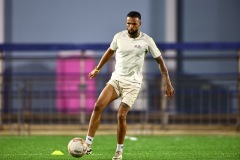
(145,147)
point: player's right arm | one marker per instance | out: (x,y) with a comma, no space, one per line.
(106,56)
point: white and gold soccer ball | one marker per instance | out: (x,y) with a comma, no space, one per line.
(77,147)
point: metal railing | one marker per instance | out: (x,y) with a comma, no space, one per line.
(29,97)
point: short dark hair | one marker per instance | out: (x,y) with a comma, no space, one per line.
(134,14)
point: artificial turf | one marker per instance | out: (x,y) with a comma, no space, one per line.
(144,148)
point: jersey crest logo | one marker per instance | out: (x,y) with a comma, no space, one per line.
(137,46)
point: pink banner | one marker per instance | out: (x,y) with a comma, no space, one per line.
(75,91)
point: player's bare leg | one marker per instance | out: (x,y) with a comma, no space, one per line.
(121,129)
(107,95)
(122,123)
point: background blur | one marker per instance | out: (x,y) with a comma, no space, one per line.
(46,87)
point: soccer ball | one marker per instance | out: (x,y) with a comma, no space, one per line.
(77,147)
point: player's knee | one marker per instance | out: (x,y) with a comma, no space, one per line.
(121,117)
(98,107)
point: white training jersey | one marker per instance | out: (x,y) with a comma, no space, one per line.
(130,55)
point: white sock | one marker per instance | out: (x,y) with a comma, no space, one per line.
(119,147)
(89,140)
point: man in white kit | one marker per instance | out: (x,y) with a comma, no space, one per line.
(131,47)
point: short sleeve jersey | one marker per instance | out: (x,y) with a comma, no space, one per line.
(130,55)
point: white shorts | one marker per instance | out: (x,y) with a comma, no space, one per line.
(128,92)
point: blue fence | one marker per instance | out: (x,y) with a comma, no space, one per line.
(198,101)
(162,46)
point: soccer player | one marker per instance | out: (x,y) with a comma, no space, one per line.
(130,47)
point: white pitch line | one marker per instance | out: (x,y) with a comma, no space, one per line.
(131,138)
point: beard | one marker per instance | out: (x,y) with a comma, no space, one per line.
(132,32)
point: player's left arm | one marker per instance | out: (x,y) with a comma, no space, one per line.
(169,89)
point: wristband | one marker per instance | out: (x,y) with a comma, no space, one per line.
(97,70)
